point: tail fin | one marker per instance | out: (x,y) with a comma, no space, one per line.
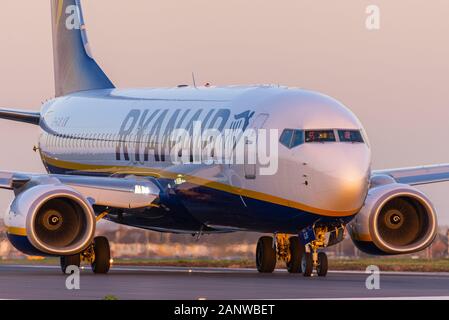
(75,69)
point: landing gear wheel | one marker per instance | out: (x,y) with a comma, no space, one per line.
(102,260)
(322,266)
(307,264)
(74,260)
(297,251)
(265,255)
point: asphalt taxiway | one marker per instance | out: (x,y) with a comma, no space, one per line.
(123,282)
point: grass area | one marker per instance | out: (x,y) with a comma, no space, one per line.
(206,263)
(385,264)
(40,262)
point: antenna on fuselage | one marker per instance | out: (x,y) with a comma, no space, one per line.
(193,79)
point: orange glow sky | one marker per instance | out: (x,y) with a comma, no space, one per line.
(395,79)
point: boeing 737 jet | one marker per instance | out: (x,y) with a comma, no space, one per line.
(104,150)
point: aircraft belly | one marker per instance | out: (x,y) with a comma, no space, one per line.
(217,208)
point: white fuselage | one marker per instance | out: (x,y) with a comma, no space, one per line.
(107,132)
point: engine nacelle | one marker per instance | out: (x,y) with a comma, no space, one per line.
(50,219)
(396,219)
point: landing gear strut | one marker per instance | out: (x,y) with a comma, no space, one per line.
(98,254)
(289,250)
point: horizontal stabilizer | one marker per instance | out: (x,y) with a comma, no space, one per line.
(20,115)
(11,180)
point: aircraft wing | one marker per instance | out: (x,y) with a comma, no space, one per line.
(126,193)
(418,175)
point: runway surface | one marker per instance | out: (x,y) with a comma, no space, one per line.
(47,282)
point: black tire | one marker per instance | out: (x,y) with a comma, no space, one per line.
(265,255)
(307,264)
(297,250)
(323,266)
(74,260)
(102,261)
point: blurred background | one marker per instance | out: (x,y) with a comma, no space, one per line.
(395,79)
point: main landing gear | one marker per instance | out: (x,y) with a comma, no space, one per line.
(98,254)
(297,257)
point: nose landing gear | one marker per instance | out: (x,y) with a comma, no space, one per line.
(313,259)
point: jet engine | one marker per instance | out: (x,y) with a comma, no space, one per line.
(396,219)
(50,219)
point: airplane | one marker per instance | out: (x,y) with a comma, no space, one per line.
(103,150)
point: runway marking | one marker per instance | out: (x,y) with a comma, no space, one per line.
(227,270)
(435,290)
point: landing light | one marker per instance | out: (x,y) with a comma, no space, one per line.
(180,179)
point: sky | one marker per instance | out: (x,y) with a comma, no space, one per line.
(394,79)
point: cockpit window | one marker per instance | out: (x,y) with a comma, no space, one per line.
(292,138)
(350,136)
(319,136)
(286,137)
(298,138)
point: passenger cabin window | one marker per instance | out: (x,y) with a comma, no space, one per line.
(354,136)
(320,136)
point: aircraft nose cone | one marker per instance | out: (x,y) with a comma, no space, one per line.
(340,177)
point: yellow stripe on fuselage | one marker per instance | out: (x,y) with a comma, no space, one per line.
(16,231)
(158,173)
